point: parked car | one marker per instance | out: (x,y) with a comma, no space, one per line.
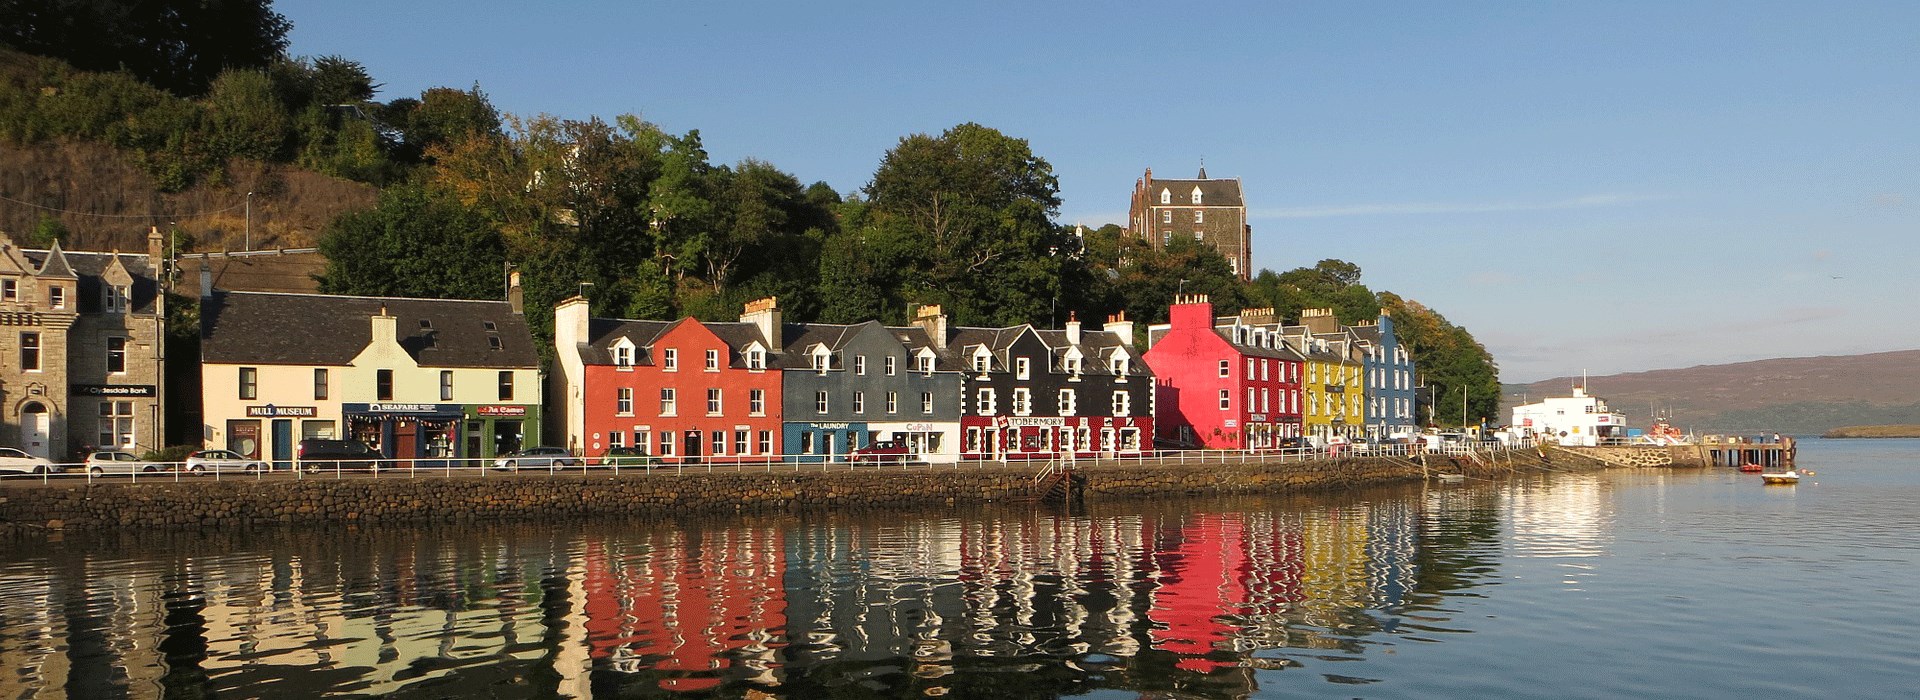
(104,462)
(628,457)
(538,458)
(16,462)
(315,454)
(882,452)
(219,461)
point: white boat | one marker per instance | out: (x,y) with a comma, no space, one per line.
(1786,477)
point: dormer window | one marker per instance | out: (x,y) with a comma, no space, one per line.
(1119,365)
(756,359)
(1166,196)
(1071,364)
(114,301)
(493,342)
(623,356)
(1196,195)
(426,324)
(981,361)
(822,359)
(924,364)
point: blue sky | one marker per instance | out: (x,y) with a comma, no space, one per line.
(1601,186)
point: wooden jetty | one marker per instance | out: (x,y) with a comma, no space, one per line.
(1772,455)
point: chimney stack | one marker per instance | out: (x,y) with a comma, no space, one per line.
(385,328)
(765,315)
(1118,324)
(934,321)
(1190,311)
(156,247)
(1319,321)
(514,297)
(206,278)
(1073,328)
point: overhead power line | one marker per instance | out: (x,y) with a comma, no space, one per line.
(163,215)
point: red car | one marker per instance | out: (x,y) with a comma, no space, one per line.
(883,452)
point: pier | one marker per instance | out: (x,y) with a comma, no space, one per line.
(1772,455)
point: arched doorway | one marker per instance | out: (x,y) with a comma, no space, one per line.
(36,430)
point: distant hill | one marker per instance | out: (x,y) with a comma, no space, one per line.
(1796,395)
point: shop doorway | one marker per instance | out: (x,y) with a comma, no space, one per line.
(282,444)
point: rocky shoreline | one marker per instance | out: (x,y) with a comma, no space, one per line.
(1874,431)
(107,505)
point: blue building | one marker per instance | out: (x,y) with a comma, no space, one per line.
(1389,380)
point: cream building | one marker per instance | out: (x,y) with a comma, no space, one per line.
(414,378)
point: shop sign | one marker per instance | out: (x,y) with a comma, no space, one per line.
(114,390)
(272,411)
(829,426)
(1256,418)
(432,409)
(1232,423)
(1019,422)
(1602,418)
(922,427)
(503,410)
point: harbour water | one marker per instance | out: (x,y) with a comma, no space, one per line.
(1624,583)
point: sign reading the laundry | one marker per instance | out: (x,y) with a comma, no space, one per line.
(271,411)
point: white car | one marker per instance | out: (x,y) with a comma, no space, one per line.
(107,462)
(14,461)
(205,461)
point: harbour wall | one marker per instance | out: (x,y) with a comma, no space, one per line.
(203,503)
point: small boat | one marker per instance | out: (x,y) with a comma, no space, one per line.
(1751,467)
(1786,477)
(1451,478)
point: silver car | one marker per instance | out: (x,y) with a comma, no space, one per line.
(538,458)
(222,461)
(107,462)
(14,461)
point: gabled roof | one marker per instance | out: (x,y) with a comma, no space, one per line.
(322,329)
(1215,192)
(89,266)
(603,332)
(55,264)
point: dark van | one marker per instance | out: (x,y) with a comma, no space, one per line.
(318,455)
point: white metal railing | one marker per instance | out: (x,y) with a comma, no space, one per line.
(504,467)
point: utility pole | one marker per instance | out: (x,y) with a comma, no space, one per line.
(248,241)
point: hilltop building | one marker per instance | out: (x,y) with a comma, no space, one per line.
(1211,210)
(82,356)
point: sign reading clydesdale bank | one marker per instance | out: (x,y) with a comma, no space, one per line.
(114,390)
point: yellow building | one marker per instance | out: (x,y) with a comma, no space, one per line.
(1332,388)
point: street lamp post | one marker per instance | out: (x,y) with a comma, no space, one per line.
(248,241)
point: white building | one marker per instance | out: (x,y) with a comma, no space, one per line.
(1570,420)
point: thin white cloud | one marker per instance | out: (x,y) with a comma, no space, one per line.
(1410,208)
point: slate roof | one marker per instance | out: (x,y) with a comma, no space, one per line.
(601,332)
(56,264)
(88,266)
(319,329)
(1216,192)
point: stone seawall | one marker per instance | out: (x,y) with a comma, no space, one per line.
(201,502)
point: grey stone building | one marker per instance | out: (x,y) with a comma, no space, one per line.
(1210,210)
(81,350)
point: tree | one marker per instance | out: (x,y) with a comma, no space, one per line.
(977,208)
(413,244)
(338,81)
(246,118)
(179,46)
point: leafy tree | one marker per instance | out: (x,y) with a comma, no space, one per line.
(977,207)
(48,231)
(413,244)
(245,116)
(178,46)
(338,81)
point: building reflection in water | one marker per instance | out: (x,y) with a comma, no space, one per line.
(1009,601)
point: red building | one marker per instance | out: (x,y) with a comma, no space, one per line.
(1225,384)
(684,391)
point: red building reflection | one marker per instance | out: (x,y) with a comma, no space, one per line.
(697,608)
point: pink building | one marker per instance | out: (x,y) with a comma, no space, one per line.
(1223,384)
